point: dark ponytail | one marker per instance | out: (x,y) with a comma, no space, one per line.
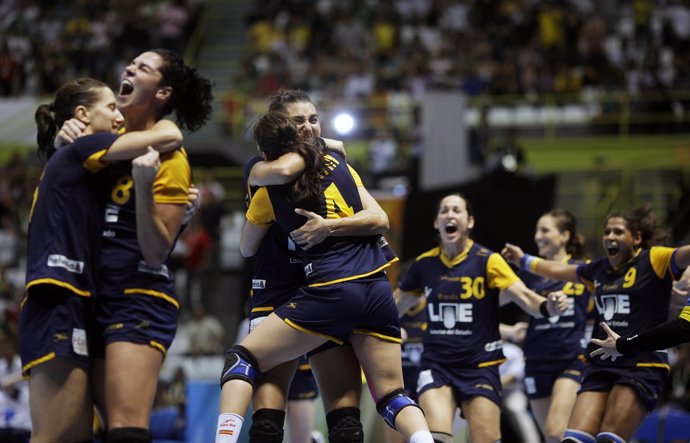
(566,221)
(276,135)
(50,117)
(191,97)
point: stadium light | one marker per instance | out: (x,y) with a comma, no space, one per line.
(343,123)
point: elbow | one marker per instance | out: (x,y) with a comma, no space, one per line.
(154,259)
(175,137)
(382,225)
(246,250)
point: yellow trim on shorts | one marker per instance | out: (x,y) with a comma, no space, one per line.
(160,347)
(377,335)
(62,284)
(491,363)
(685,313)
(38,361)
(654,365)
(354,277)
(263,309)
(153,293)
(318,334)
(304,367)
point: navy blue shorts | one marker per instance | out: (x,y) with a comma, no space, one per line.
(54,322)
(540,375)
(133,318)
(465,382)
(303,385)
(647,382)
(264,303)
(339,310)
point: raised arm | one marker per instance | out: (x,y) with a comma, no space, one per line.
(283,170)
(548,268)
(371,220)
(157,224)
(534,304)
(683,257)
(163,136)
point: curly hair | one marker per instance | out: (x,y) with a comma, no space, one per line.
(50,117)
(191,97)
(276,135)
(642,219)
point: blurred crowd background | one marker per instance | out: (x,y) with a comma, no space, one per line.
(581,104)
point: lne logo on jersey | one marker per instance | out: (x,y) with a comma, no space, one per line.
(609,305)
(451,313)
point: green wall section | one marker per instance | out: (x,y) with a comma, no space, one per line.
(553,155)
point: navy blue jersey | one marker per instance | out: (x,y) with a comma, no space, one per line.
(277,267)
(414,323)
(124,269)
(462,299)
(66,217)
(560,337)
(336,259)
(632,299)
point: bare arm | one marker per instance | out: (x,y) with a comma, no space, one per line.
(405,300)
(163,136)
(531,302)
(515,333)
(548,268)
(336,145)
(372,220)
(683,257)
(251,238)
(283,170)
(157,224)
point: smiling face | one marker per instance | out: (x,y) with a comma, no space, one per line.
(140,84)
(103,115)
(548,238)
(453,221)
(305,117)
(619,242)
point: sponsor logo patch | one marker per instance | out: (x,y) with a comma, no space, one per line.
(60,261)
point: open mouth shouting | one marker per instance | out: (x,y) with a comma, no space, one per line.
(126,89)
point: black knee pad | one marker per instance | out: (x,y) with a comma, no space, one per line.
(128,435)
(344,426)
(390,405)
(267,426)
(240,364)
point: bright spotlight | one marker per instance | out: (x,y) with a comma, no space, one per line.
(343,123)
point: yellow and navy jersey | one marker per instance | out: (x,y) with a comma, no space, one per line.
(414,321)
(462,296)
(277,267)
(66,217)
(122,264)
(632,299)
(336,259)
(560,337)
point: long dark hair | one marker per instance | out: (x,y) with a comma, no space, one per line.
(191,97)
(276,135)
(566,221)
(642,219)
(284,97)
(50,117)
